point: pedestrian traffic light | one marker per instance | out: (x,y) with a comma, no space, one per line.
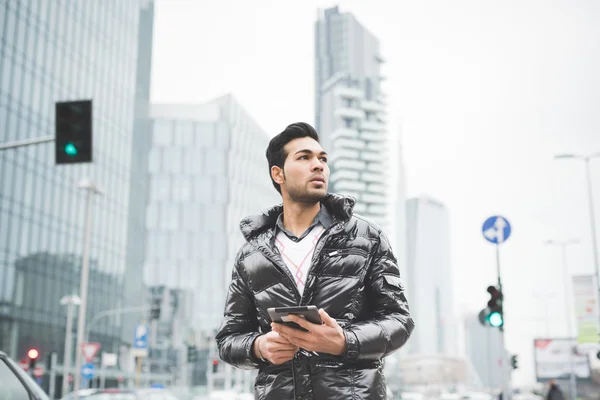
(514,362)
(32,355)
(192,354)
(215,365)
(155,309)
(73,135)
(493,314)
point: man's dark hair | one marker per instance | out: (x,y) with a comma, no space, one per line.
(276,153)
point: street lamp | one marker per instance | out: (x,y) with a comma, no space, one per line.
(563,245)
(586,159)
(70,302)
(91,189)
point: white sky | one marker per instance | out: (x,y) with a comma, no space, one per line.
(484,94)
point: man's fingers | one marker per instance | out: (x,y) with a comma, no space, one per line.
(279,348)
(279,338)
(289,333)
(327,320)
(301,321)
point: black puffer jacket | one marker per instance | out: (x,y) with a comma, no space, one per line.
(353,277)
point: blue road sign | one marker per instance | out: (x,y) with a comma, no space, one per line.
(140,337)
(88,371)
(496,229)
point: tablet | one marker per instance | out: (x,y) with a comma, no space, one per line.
(309,313)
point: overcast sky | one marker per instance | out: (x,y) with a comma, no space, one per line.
(484,93)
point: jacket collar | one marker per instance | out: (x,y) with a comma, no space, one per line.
(339,206)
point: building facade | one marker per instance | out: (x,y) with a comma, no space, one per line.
(207,172)
(350,112)
(56,51)
(429,278)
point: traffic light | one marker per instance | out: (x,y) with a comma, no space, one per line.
(192,354)
(514,362)
(32,355)
(215,365)
(493,314)
(73,135)
(155,309)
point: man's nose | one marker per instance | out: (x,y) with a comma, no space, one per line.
(317,165)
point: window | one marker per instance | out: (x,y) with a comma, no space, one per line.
(12,387)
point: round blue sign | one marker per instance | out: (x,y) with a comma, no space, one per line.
(88,371)
(496,229)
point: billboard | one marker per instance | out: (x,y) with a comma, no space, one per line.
(584,291)
(552,360)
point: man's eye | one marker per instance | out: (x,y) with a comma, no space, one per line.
(303,158)
(324,159)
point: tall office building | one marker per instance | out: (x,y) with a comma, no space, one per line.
(350,112)
(54,51)
(208,171)
(483,347)
(429,278)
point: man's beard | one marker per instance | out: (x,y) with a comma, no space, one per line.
(300,195)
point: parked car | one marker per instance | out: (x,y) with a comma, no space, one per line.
(122,394)
(16,384)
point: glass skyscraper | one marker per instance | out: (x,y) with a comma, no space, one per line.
(68,50)
(207,172)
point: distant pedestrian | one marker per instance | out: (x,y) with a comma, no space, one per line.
(554,393)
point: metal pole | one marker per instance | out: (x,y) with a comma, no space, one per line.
(52,382)
(83,288)
(152,359)
(572,383)
(504,369)
(489,355)
(26,142)
(68,351)
(588,175)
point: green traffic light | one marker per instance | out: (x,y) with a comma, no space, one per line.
(70,149)
(495,319)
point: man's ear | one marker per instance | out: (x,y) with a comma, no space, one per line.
(277,174)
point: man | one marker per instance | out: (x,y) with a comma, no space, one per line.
(312,250)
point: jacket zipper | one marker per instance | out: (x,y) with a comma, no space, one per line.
(346,251)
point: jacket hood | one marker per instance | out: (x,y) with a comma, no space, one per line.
(338,205)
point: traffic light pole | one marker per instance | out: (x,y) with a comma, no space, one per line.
(70,302)
(26,142)
(505,364)
(90,189)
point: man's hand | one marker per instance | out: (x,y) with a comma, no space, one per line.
(327,338)
(274,348)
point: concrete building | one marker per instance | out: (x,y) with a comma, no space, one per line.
(429,278)
(350,113)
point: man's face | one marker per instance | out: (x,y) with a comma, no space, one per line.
(305,173)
